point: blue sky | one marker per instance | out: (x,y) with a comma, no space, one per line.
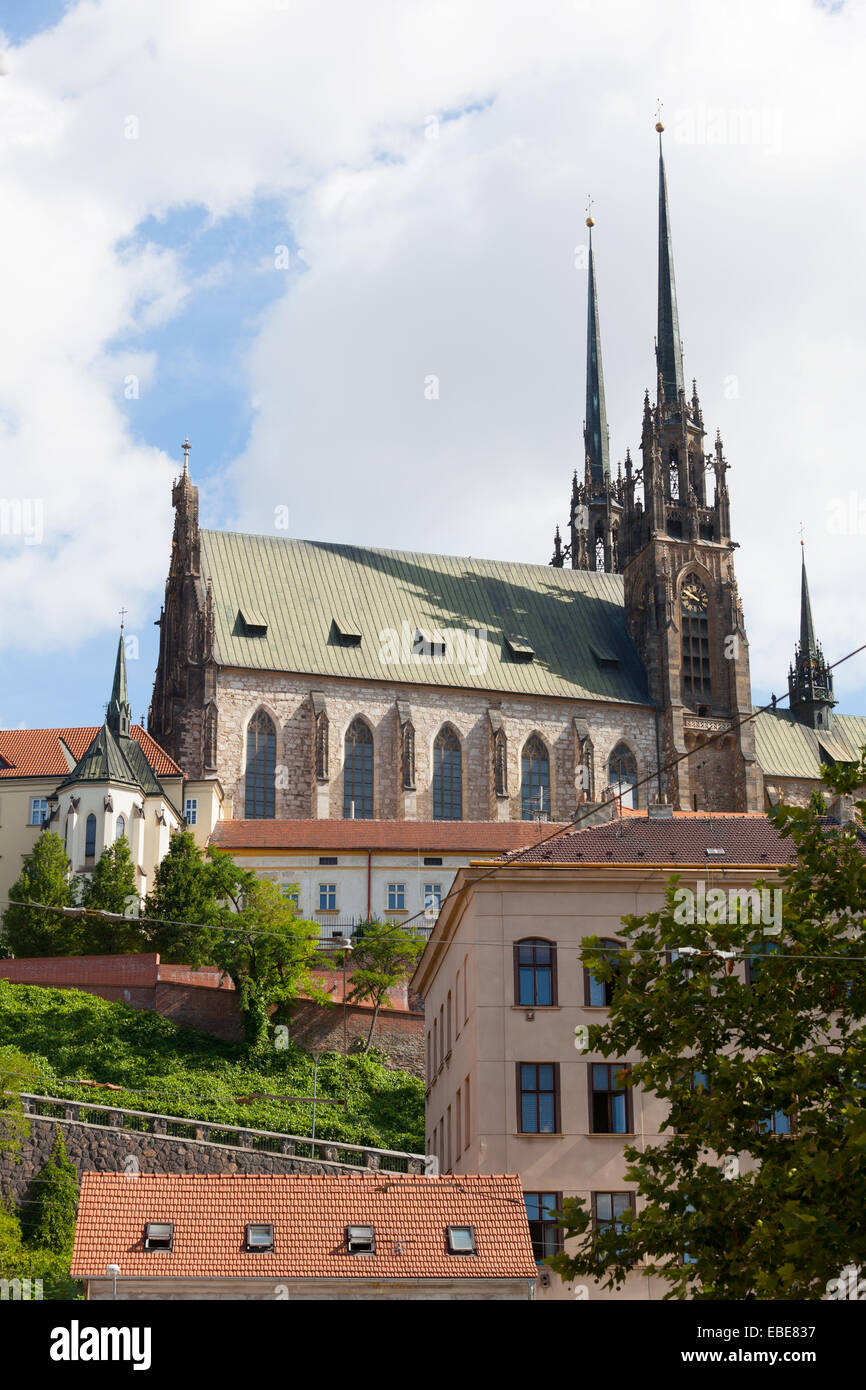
(427,174)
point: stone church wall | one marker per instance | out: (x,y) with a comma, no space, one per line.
(287,700)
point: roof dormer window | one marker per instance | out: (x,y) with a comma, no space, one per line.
(361,1240)
(461,1240)
(159,1235)
(260,1238)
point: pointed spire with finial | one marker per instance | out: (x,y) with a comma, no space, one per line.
(118,714)
(669,357)
(595,435)
(186,448)
(808,645)
(810,680)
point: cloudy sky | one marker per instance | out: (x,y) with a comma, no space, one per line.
(268,224)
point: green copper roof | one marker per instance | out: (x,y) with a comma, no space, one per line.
(595,432)
(304,589)
(102,762)
(669,357)
(119,760)
(119,715)
(787,748)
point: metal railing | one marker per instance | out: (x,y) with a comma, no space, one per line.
(351,927)
(357,1157)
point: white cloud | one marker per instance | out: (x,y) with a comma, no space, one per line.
(450,257)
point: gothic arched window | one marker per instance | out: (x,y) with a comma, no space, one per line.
(358,772)
(695,640)
(90,837)
(120,828)
(407,755)
(599,547)
(210,736)
(535,780)
(447,777)
(674,476)
(622,774)
(500,762)
(261,767)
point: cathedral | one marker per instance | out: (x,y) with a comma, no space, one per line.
(317,680)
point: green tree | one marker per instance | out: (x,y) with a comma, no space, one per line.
(111,888)
(51,1225)
(383,958)
(12,1254)
(31,931)
(265,948)
(17,1074)
(759,1187)
(184,898)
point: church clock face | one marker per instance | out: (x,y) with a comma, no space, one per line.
(694,597)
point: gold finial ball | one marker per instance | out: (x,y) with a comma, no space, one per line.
(590,222)
(659,127)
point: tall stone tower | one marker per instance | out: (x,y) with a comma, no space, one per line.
(183,714)
(677,559)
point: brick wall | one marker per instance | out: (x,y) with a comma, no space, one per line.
(198,999)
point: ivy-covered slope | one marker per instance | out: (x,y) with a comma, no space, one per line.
(177,1071)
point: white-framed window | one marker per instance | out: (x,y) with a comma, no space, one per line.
(327,897)
(432,897)
(396,897)
(190,810)
(38,809)
(120,828)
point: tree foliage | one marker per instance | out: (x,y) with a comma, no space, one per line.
(265,948)
(30,931)
(51,1223)
(185,900)
(111,887)
(727,1208)
(17,1074)
(384,957)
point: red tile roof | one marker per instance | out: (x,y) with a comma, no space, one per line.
(309,1216)
(37,752)
(745,839)
(447,837)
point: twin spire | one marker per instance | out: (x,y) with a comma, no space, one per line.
(669,353)
(597,501)
(595,434)
(808,645)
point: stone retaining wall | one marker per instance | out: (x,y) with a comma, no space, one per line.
(94,1148)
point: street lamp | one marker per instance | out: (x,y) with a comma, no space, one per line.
(112,1272)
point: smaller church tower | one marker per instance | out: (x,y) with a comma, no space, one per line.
(596,502)
(118,713)
(810,680)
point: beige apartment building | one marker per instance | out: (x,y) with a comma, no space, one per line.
(504,990)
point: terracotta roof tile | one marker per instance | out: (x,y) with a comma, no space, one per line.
(38,752)
(682,839)
(431,837)
(309,1215)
